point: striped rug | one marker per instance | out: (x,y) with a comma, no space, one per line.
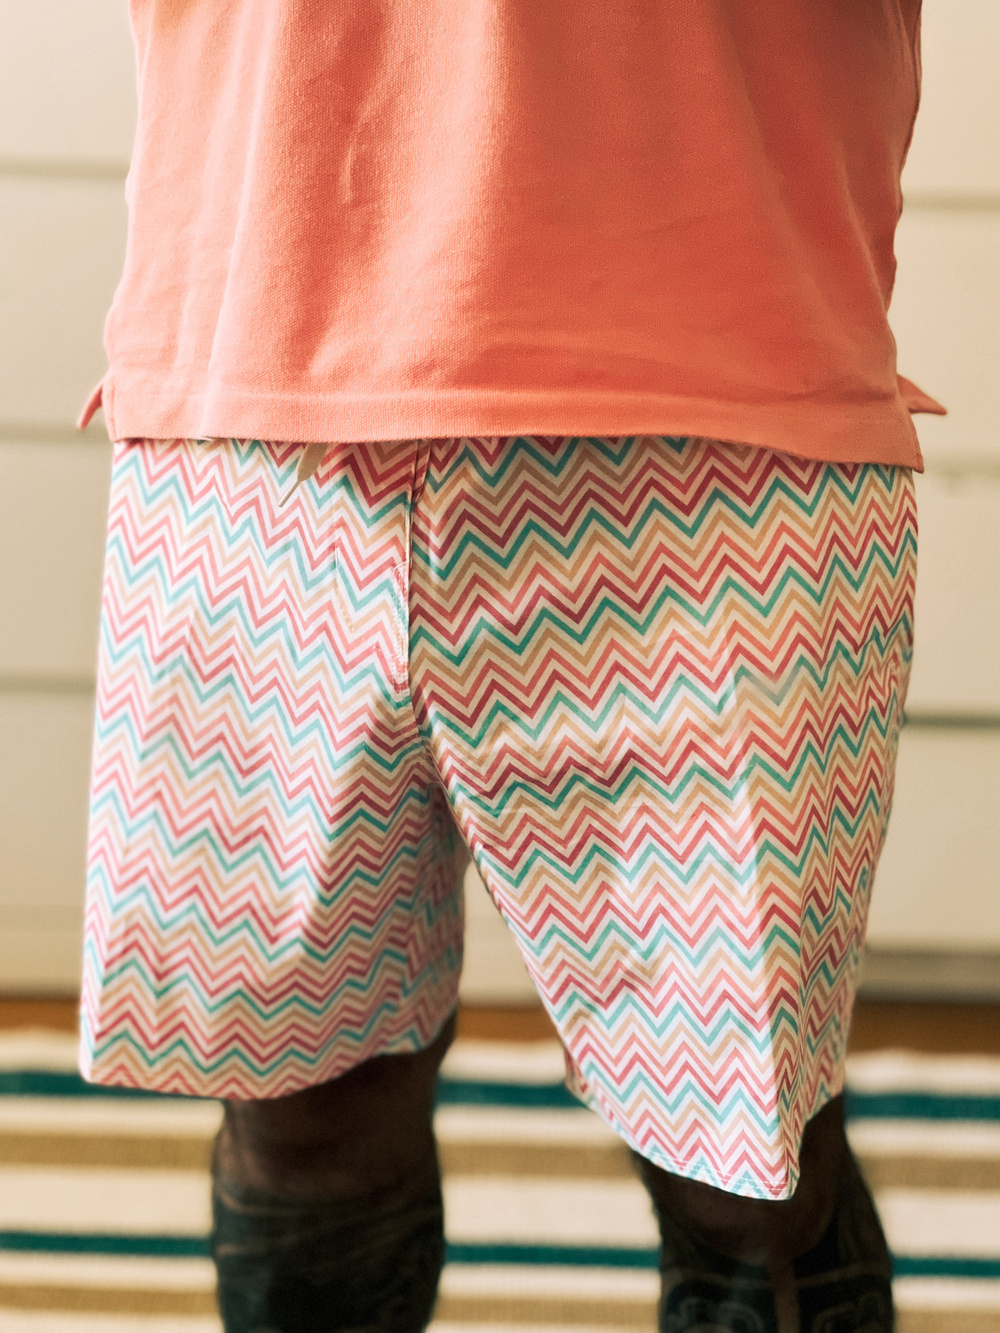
(104,1202)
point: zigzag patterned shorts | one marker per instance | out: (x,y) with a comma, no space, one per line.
(657,684)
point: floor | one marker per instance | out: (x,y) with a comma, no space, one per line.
(961,1029)
(495,1189)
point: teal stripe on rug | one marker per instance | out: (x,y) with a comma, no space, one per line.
(55,1242)
(571,1256)
(540,1096)
(476,1092)
(51,1083)
(929,1265)
(920,1106)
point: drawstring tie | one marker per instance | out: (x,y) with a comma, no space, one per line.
(309,461)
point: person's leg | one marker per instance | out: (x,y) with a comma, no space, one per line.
(663,680)
(327,1211)
(274,895)
(734,1262)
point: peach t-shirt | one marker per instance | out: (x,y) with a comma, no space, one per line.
(382,219)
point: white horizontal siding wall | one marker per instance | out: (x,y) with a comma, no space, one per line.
(938,887)
(62,242)
(67,85)
(67,112)
(66,121)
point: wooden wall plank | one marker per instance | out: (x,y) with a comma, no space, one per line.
(956,661)
(956,147)
(45,748)
(938,884)
(62,245)
(53,507)
(945,314)
(67,81)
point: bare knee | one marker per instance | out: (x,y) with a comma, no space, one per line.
(361,1132)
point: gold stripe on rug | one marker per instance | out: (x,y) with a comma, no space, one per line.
(608,1162)
(529,1310)
(919,1172)
(470,1158)
(106,1300)
(947,1321)
(147,1153)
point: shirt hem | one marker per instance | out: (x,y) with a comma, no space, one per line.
(879,432)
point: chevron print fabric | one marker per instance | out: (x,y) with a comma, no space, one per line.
(273,892)
(658,684)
